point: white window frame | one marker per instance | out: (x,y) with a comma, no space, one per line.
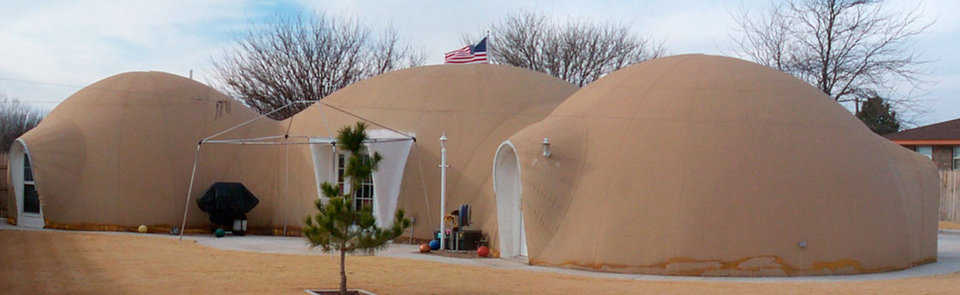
(340,170)
(366,192)
(18,153)
(956,157)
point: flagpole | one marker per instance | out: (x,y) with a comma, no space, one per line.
(489,48)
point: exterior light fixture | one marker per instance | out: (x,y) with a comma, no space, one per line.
(546,147)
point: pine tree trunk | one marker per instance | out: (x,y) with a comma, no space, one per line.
(343,274)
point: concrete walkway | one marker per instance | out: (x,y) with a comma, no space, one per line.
(948,260)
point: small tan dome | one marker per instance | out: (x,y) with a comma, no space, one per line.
(477,106)
(119,152)
(478,89)
(711,165)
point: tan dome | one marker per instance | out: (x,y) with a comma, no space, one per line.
(711,165)
(478,106)
(120,151)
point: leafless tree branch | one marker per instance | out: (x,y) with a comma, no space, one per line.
(849,49)
(579,52)
(307,58)
(16,118)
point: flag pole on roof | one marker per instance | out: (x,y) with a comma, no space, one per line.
(488,40)
(469,54)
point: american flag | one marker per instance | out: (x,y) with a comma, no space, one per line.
(468,54)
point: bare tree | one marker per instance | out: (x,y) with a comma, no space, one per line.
(16,119)
(306,58)
(849,49)
(579,52)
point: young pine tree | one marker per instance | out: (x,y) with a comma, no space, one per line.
(339,225)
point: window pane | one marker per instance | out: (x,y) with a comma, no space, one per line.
(925,150)
(956,157)
(364,196)
(364,192)
(31,201)
(27,171)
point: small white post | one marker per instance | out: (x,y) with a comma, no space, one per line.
(443,187)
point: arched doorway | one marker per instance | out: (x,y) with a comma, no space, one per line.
(29,213)
(506,185)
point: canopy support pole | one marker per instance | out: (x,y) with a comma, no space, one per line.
(186,205)
(423,184)
(368,120)
(258,118)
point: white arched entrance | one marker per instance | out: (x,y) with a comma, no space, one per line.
(29,211)
(506,185)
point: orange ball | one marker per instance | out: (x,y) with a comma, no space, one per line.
(424,248)
(483,251)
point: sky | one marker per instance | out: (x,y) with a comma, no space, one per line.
(51,49)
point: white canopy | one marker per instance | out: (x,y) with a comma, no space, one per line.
(392,144)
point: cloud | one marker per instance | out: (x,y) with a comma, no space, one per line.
(73,42)
(80,42)
(438,26)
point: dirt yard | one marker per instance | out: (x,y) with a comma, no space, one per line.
(949,225)
(83,263)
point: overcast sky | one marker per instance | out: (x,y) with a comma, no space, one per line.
(49,49)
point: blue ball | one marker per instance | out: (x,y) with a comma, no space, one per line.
(219,233)
(435,245)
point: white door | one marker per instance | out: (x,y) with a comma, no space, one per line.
(507,186)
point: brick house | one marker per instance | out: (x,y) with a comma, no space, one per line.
(939,142)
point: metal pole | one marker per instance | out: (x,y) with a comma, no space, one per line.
(443,187)
(257,118)
(286,185)
(186,205)
(366,120)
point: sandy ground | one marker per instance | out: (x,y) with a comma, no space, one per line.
(45,262)
(949,225)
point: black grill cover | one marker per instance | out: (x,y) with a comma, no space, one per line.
(226,201)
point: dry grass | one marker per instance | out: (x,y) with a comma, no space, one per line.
(82,263)
(949,225)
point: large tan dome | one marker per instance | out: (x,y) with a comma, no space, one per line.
(119,152)
(477,106)
(710,165)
